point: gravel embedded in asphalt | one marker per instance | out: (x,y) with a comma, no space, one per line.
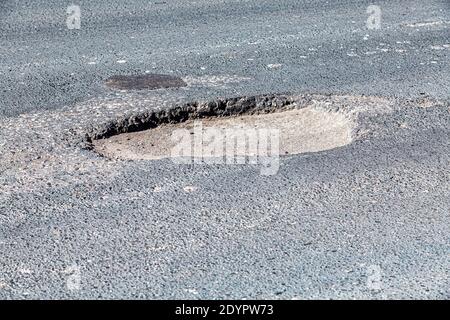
(366,220)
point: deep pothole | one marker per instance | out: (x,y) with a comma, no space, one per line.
(250,126)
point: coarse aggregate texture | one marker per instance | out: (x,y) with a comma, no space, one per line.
(366,220)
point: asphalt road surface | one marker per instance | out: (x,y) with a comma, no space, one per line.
(367,220)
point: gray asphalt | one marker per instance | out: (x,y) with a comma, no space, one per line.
(328,225)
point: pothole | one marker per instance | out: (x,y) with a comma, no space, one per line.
(300,131)
(208,129)
(144,82)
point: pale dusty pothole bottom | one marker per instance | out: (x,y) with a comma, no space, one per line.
(300,131)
